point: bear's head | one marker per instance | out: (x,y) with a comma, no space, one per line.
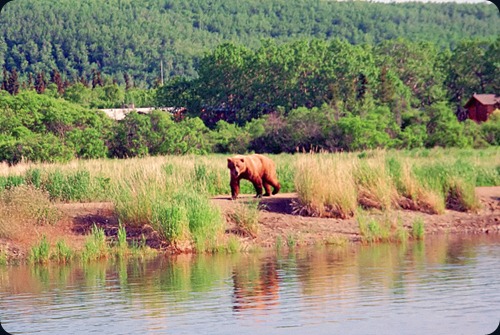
(236,165)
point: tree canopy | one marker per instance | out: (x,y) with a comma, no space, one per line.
(130,38)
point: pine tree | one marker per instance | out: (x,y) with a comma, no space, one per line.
(128,83)
(56,79)
(97,79)
(13,82)
(30,81)
(40,83)
(84,81)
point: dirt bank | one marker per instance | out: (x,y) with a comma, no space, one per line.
(277,219)
(276,222)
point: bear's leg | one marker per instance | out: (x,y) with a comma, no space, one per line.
(275,184)
(267,187)
(235,188)
(258,188)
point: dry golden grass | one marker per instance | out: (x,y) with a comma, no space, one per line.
(376,189)
(325,186)
(413,195)
(23,206)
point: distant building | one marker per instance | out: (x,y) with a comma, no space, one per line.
(120,113)
(480,106)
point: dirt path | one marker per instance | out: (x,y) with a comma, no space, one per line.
(277,221)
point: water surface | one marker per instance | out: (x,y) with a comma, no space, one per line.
(441,286)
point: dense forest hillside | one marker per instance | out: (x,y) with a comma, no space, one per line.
(119,37)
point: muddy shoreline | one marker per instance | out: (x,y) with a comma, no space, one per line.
(277,224)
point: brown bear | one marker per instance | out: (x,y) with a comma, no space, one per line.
(258,169)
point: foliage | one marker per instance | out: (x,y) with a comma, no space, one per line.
(138,40)
(37,127)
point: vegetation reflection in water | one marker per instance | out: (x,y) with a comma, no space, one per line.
(306,280)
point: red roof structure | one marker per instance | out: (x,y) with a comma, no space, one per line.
(480,106)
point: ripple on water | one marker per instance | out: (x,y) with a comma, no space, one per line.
(430,288)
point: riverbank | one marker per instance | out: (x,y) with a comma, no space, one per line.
(278,225)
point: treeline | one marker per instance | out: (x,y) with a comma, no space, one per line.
(281,97)
(237,84)
(132,38)
(40,128)
(100,92)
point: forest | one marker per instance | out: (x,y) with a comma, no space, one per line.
(132,38)
(297,96)
(287,86)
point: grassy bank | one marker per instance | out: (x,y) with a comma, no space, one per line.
(428,180)
(171,193)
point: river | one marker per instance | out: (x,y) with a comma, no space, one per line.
(445,285)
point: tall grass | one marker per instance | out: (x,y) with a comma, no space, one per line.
(172,193)
(376,189)
(63,253)
(171,221)
(325,186)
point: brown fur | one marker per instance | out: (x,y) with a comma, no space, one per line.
(258,169)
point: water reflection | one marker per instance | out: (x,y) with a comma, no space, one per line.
(373,289)
(255,286)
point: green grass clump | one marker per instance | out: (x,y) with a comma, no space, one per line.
(95,246)
(454,183)
(170,219)
(122,237)
(387,228)
(63,253)
(205,220)
(9,182)
(418,229)
(40,253)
